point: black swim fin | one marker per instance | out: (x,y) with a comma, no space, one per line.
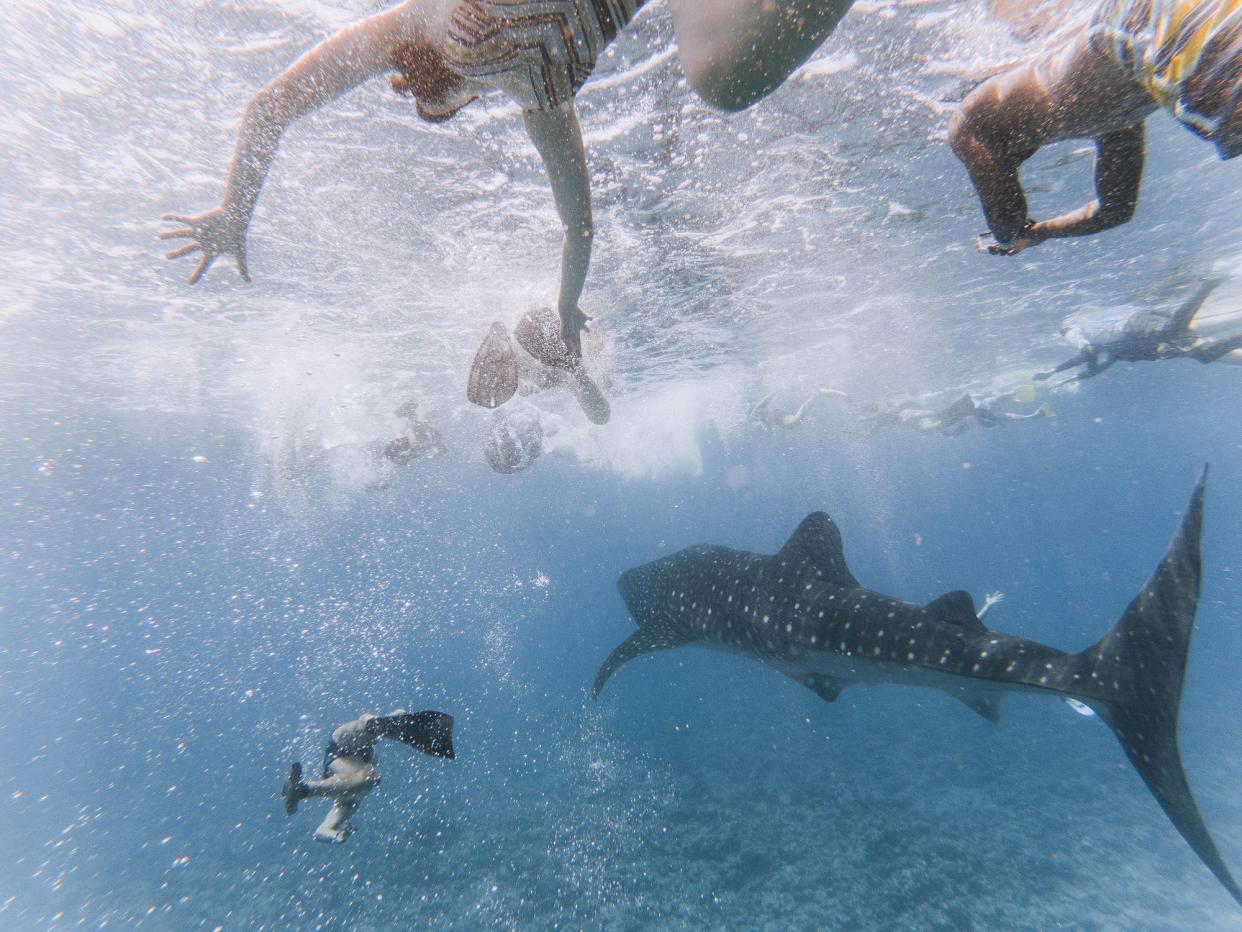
(494,372)
(294,790)
(429,732)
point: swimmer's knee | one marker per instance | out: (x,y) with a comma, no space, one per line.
(722,92)
(728,101)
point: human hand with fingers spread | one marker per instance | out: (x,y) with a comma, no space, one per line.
(217,232)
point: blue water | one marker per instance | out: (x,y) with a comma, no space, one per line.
(171,643)
(202,573)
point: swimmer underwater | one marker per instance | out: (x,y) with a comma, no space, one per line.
(351,766)
(1133,58)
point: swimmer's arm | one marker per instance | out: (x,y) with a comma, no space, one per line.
(558,139)
(327,71)
(989,600)
(979,135)
(322,74)
(1118,174)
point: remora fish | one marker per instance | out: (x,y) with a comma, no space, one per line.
(803,612)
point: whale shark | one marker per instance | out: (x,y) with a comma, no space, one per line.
(802,612)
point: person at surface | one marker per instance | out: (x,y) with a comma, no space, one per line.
(1132,58)
(420,440)
(351,766)
(444,54)
(951,420)
(1129,334)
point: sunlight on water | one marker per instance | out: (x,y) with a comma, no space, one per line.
(217,548)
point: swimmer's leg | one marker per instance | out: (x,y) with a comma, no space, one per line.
(335,827)
(1081,359)
(1181,321)
(736,52)
(1215,350)
(346,777)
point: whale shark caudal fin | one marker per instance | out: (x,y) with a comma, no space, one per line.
(643,641)
(1136,671)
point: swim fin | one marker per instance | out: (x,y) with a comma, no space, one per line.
(494,373)
(429,732)
(592,401)
(294,790)
(539,333)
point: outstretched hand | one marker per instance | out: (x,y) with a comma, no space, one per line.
(573,323)
(215,233)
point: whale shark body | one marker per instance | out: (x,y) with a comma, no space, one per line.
(802,612)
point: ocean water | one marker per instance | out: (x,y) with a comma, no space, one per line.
(204,571)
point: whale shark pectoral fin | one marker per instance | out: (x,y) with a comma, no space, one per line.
(825,687)
(643,641)
(956,608)
(987,706)
(817,544)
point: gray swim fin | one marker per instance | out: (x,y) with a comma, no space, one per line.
(539,333)
(494,372)
(590,398)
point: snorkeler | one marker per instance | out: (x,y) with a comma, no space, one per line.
(350,770)
(540,362)
(421,439)
(446,53)
(1132,58)
(952,420)
(763,416)
(1129,334)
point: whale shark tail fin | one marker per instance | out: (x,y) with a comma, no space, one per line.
(1135,675)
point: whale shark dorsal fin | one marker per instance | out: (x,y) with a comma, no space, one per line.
(817,543)
(956,608)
